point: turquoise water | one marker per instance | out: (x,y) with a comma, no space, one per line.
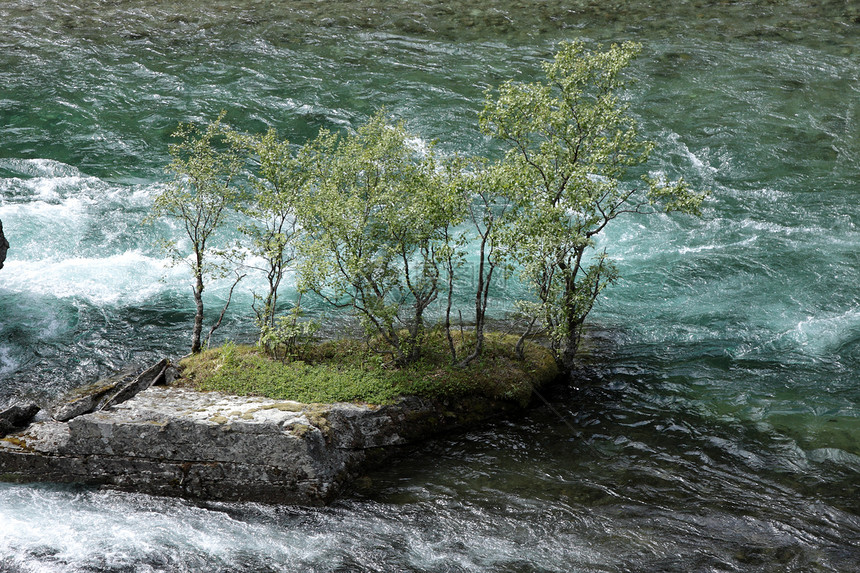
(714,425)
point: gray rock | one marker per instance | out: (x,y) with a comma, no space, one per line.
(130,388)
(173,441)
(107,392)
(86,399)
(167,376)
(4,246)
(16,416)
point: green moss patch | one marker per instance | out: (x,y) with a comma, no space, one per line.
(345,371)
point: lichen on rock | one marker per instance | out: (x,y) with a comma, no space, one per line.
(107,392)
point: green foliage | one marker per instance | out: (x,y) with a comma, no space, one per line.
(277,180)
(342,371)
(199,197)
(378,227)
(288,336)
(375,218)
(570,144)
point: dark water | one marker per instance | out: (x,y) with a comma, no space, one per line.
(714,425)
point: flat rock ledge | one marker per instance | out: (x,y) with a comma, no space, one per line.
(178,442)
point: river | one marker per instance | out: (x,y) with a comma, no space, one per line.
(714,424)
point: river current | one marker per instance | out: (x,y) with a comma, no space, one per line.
(714,424)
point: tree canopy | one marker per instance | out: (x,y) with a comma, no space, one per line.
(570,145)
(378,227)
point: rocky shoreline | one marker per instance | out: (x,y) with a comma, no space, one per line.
(139,433)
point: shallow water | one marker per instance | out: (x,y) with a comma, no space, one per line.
(715,425)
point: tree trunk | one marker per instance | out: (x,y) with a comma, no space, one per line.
(567,356)
(480,305)
(416,335)
(569,347)
(198,316)
(451,345)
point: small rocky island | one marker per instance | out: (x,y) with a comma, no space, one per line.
(139,432)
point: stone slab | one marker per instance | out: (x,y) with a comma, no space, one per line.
(174,441)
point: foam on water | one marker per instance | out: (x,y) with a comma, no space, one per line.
(52,529)
(58,212)
(58,529)
(8,363)
(826,333)
(47,168)
(46,189)
(127,278)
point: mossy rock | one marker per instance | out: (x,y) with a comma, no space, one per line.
(343,371)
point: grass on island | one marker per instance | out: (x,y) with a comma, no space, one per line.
(346,371)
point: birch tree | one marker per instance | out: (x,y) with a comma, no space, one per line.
(277,180)
(571,145)
(199,198)
(375,219)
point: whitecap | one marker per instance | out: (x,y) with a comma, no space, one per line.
(826,333)
(127,277)
(8,363)
(40,168)
(717,246)
(47,181)
(835,455)
(44,527)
